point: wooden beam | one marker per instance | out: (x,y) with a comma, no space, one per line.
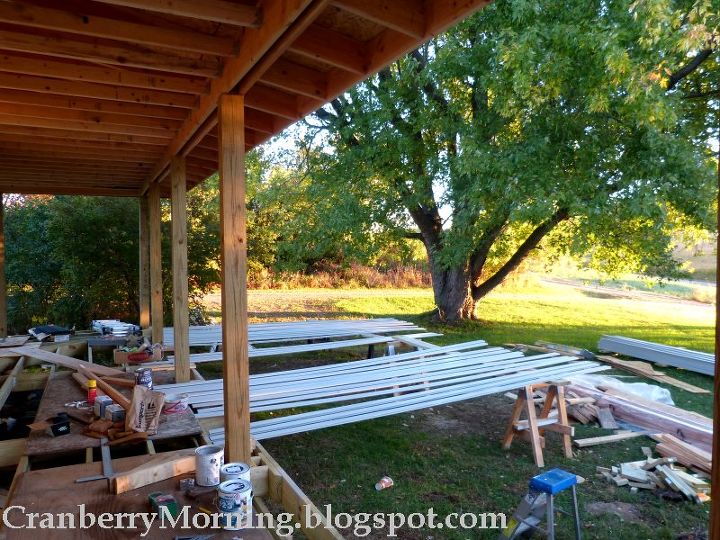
(101,27)
(75,70)
(236,365)
(144,258)
(332,48)
(151,143)
(406,16)
(95,90)
(81,152)
(3,283)
(181,314)
(96,117)
(47,99)
(270,100)
(9,383)
(278,15)
(133,152)
(94,50)
(207,10)
(23,187)
(156,285)
(79,125)
(298,79)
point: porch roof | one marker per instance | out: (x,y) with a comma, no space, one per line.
(96,97)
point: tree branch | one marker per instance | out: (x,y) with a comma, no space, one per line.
(530,243)
(688,68)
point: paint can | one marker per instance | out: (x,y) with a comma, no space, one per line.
(234,471)
(176,403)
(208,460)
(234,501)
(143,377)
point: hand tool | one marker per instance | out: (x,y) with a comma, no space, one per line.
(107,469)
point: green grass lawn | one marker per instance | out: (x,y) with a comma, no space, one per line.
(450,458)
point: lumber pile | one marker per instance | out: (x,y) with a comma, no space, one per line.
(662,474)
(658,353)
(652,416)
(685,453)
(646,370)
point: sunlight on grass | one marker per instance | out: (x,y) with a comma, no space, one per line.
(559,314)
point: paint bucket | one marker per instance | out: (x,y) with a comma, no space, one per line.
(175,403)
(208,460)
(143,377)
(234,501)
(234,471)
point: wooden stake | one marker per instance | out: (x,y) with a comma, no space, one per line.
(156,288)
(144,281)
(236,372)
(181,316)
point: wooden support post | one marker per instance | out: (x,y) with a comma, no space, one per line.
(156,288)
(181,315)
(3,283)
(714,529)
(236,369)
(144,280)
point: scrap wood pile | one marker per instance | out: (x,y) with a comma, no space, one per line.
(107,412)
(662,475)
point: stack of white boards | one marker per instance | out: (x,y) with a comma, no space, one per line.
(383,386)
(114,327)
(276,332)
(665,355)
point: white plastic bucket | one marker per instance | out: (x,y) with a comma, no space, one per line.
(208,460)
(234,471)
(234,501)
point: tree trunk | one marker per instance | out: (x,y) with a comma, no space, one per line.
(451,288)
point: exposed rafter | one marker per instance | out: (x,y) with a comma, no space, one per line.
(208,10)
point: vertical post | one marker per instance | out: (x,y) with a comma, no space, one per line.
(3,283)
(715,472)
(156,288)
(236,369)
(144,281)
(181,314)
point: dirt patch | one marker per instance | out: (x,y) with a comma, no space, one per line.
(625,511)
(487,415)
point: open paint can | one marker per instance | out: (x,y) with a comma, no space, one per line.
(234,501)
(208,460)
(234,471)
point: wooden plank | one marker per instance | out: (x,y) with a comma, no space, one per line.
(65,361)
(333,48)
(92,105)
(55,492)
(593,441)
(83,125)
(11,452)
(144,260)
(208,10)
(236,365)
(156,286)
(101,27)
(109,390)
(113,76)
(95,50)
(181,314)
(283,490)
(79,115)
(405,16)
(606,419)
(161,467)
(9,383)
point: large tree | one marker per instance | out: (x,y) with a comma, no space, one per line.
(577,125)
